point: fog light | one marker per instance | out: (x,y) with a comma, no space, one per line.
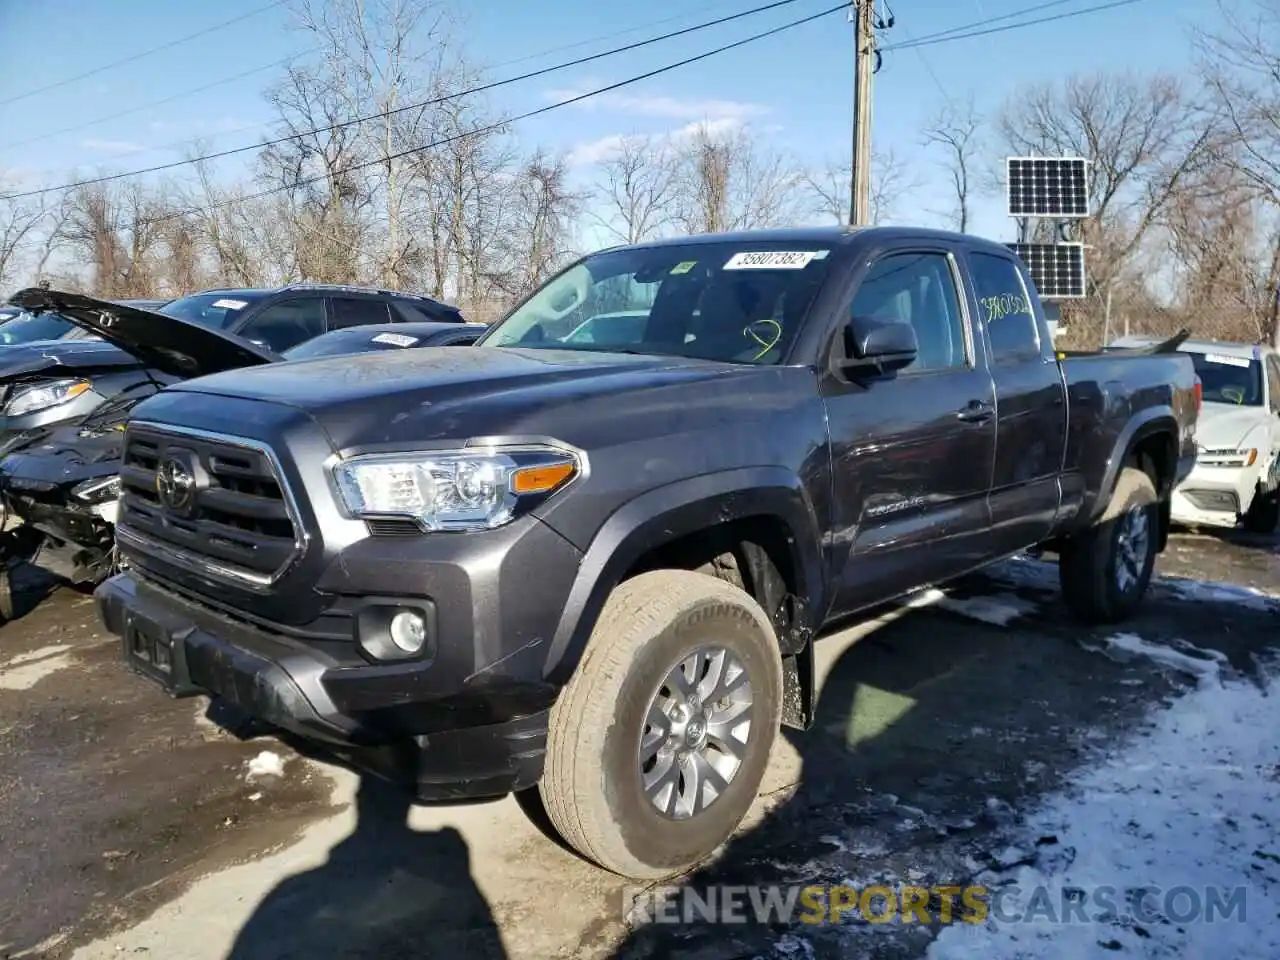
(408,631)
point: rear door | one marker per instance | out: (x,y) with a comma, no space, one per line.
(1031,408)
(911,452)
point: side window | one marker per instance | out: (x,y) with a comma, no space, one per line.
(350,312)
(1004,309)
(287,324)
(919,289)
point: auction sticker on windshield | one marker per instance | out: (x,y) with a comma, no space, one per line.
(773,260)
(231,304)
(1228,360)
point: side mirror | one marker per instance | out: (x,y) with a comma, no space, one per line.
(879,345)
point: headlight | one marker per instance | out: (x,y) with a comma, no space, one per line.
(1228,457)
(42,396)
(98,490)
(454,490)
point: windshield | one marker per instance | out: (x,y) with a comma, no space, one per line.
(736,302)
(217,311)
(30,327)
(1227,379)
(354,340)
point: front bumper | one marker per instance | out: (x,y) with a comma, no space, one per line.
(396,720)
(1215,496)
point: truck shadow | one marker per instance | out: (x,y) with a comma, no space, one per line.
(930,735)
(23,587)
(386,890)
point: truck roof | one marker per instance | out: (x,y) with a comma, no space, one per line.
(834,235)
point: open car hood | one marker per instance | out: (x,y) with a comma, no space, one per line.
(24,359)
(176,347)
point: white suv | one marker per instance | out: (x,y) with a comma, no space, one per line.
(1237,472)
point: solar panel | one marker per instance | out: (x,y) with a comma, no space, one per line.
(1047,187)
(1057,269)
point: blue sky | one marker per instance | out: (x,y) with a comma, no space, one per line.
(794,88)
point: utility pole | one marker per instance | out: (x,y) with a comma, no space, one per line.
(864,55)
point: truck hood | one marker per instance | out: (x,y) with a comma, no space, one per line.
(24,359)
(1224,426)
(168,344)
(443,393)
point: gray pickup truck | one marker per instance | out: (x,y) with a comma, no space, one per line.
(591,553)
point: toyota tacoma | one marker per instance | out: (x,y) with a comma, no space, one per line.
(599,567)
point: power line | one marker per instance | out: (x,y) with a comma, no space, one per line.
(988,20)
(490,128)
(398,110)
(67,81)
(157,103)
(927,42)
(577,44)
(279,63)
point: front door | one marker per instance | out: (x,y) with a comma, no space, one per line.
(911,452)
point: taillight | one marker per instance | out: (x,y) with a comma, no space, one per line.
(1199,395)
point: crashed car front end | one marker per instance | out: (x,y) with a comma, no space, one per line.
(65,488)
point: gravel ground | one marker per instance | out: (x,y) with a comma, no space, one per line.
(131,823)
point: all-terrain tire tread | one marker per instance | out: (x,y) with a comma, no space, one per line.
(631,615)
(1082,564)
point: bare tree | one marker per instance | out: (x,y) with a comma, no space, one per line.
(21,223)
(116,230)
(1241,67)
(377,57)
(956,129)
(545,210)
(638,189)
(727,181)
(828,188)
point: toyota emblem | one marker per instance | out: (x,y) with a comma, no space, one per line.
(175,486)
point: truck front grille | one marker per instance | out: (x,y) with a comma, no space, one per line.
(208,502)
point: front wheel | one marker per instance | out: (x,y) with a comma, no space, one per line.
(657,745)
(1105,570)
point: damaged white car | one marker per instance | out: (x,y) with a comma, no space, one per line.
(1237,474)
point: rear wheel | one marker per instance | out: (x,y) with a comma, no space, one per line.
(1105,570)
(657,746)
(1263,515)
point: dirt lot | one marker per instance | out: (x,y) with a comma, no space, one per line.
(131,823)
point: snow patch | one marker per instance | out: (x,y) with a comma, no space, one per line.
(27,669)
(1209,591)
(42,654)
(1188,803)
(997,609)
(1204,665)
(266,764)
(789,945)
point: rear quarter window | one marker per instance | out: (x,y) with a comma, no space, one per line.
(1004,309)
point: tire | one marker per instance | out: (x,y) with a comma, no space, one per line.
(592,784)
(1102,581)
(1263,515)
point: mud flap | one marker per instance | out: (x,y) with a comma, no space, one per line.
(797,689)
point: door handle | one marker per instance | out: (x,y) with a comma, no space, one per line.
(975,411)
